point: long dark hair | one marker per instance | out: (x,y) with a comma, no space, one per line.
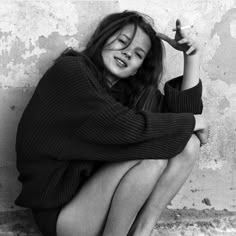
(149,74)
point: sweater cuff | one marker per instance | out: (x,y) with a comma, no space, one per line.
(182,125)
(188,100)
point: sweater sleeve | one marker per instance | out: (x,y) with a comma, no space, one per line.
(188,100)
(102,121)
(100,128)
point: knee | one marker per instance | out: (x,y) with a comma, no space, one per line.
(192,150)
(153,168)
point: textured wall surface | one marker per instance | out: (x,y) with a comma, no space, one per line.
(213,181)
(33,33)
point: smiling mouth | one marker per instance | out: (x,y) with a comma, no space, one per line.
(120,62)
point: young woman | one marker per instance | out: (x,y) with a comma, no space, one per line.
(100,150)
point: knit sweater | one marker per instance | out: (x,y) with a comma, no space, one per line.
(72,125)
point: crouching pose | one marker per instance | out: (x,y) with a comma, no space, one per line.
(101,151)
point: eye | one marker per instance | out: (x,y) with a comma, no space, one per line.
(122,41)
(139,55)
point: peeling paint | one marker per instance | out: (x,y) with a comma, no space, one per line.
(72,42)
(35,53)
(222,64)
(21,32)
(38,18)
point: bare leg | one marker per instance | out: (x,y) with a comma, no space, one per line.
(131,194)
(174,176)
(86,214)
(113,196)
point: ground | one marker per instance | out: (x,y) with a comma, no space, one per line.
(184,222)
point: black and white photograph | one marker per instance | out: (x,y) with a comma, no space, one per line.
(118,118)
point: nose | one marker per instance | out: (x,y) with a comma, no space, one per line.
(127,54)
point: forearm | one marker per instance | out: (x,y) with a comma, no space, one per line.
(191,71)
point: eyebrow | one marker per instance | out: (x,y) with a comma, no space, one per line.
(130,39)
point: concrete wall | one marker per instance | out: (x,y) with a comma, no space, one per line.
(33,33)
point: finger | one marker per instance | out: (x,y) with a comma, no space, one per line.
(164,37)
(190,43)
(186,41)
(190,50)
(183,41)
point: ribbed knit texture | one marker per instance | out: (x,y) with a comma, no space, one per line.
(71,126)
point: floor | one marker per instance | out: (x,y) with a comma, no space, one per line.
(185,222)
(196,223)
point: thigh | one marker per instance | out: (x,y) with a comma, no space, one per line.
(87,212)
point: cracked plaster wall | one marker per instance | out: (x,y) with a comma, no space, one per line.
(33,33)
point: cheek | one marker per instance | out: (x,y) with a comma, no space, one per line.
(137,65)
(105,56)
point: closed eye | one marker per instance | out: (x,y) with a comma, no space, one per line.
(122,41)
(139,55)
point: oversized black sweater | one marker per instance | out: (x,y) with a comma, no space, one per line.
(72,125)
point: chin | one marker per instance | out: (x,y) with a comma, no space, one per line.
(122,76)
(117,75)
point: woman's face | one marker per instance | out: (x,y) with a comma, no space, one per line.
(123,63)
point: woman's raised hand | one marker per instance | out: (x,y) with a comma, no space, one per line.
(180,42)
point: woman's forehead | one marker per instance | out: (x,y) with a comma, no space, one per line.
(140,37)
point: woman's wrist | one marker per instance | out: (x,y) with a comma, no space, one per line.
(193,58)
(191,71)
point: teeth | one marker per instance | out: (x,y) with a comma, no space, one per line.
(121,62)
